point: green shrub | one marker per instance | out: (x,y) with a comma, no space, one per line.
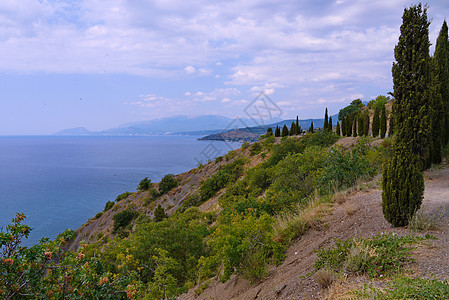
(67,235)
(144,184)
(343,169)
(108,205)
(122,196)
(410,288)
(255,148)
(159,214)
(380,256)
(285,147)
(123,219)
(226,174)
(168,182)
(235,245)
(98,214)
(321,138)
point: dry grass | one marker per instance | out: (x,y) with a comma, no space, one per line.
(349,208)
(422,221)
(340,197)
(290,226)
(324,277)
(341,290)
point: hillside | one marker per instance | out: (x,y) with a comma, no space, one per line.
(356,212)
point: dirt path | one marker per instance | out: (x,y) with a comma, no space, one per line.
(359,216)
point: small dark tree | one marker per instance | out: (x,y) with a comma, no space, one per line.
(376,122)
(277,132)
(269,131)
(311,128)
(354,128)
(383,122)
(159,214)
(330,124)
(326,121)
(343,126)
(292,129)
(284,131)
(337,129)
(144,184)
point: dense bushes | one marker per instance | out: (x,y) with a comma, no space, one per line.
(122,196)
(108,205)
(168,182)
(226,174)
(144,184)
(123,219)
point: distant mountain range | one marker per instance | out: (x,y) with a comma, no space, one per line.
(185,125)
(207,126)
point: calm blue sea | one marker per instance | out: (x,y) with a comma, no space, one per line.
(60,182)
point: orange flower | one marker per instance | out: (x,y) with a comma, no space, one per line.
(48,254)
(130,292)
(104,280)
(80,256)
(8,261)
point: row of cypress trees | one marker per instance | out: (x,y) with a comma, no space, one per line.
(420,116)
(295,129)
(359,124)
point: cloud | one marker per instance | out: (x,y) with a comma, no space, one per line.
(217,94)
(190,69)
(300,50)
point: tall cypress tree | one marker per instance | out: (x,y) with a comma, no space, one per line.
(366,123)
(330,124)
(403,182)
(441,86)
(311,127)
(383,122)
(292,129)
(343,126)
(412,82)
(360,124)
(337,128)
(298,128)
(284,131)
(326,121)
(354,127)
(376,122)
(348,126)
(277,131)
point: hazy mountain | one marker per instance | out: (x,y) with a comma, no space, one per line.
(186,125)
(74,131)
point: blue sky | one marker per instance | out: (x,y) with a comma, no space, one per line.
(99,64)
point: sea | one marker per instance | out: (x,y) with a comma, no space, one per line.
(60,182)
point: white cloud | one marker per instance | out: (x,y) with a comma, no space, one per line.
(190,69)
(217,94)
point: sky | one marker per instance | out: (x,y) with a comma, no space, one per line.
(99,64)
